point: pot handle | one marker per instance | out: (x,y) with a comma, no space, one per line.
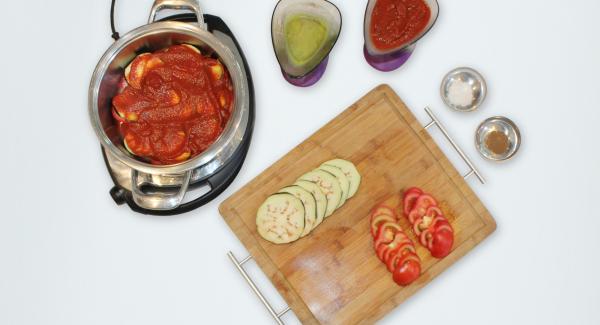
(192,5)
(158,201)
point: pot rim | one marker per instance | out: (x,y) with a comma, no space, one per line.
(231,135)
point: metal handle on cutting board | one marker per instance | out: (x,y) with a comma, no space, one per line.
(436,121)
(240,267)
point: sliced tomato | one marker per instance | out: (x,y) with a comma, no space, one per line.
(423,202)
(380,251)
(377,220)
(386,233)
(441,243)
(425,238)
(413,189)
(433,211)
(417,226)
(438,221)
(414,215)
(406,272)
(410,197)
(444,226)
(382,209)
(400,240)
(394,256)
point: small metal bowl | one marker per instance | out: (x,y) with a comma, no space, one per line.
(501,124)
(476,84)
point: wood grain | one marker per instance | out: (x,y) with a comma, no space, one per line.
(332,276)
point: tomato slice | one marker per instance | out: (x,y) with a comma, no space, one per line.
(433,211)
(392,257)
(377,220)
(382,209)
(380,251)
(417,226)
(410,197)
(425,238)
(438,221)
(441,243)
(444,226)
(424,201)
(406,272)
(386,233)
(399,241)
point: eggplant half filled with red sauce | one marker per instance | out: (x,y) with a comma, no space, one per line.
(172,104)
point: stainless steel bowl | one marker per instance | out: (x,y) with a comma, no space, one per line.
(103,87)
(503,125)
(477,88)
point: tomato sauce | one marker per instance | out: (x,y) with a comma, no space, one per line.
(397,22)
(173,104)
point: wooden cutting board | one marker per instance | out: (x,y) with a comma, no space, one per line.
(332,276)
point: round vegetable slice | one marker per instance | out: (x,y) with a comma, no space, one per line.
(381,251)
(392,257)
(350,171)
(329,185)
(377,220)
(386,233)
(341,177)
(310,206)
(381,209)
(280,219)
(409,199)
(320,199)
(407,271)
(399,241)
(423,202)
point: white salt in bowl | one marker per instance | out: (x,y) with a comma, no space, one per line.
(463,89)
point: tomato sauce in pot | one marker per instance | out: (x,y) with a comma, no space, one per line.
(397,22)
(173,104)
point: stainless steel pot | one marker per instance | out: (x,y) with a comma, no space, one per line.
(103,87)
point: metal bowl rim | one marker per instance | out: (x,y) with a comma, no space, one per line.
(477,75)
(508,121)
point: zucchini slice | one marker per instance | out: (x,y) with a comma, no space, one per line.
(320,199)
(350,171)
(310,206)
(329,185)
(341,177)
(280,219)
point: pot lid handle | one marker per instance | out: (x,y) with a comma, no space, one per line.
(192,5)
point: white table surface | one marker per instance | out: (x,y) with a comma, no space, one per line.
(69,255)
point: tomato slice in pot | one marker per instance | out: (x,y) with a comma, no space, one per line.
(406,272)
(410,197)
(377,220)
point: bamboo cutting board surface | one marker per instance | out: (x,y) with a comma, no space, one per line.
(332,276)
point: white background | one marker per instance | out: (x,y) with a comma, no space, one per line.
(69,255)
